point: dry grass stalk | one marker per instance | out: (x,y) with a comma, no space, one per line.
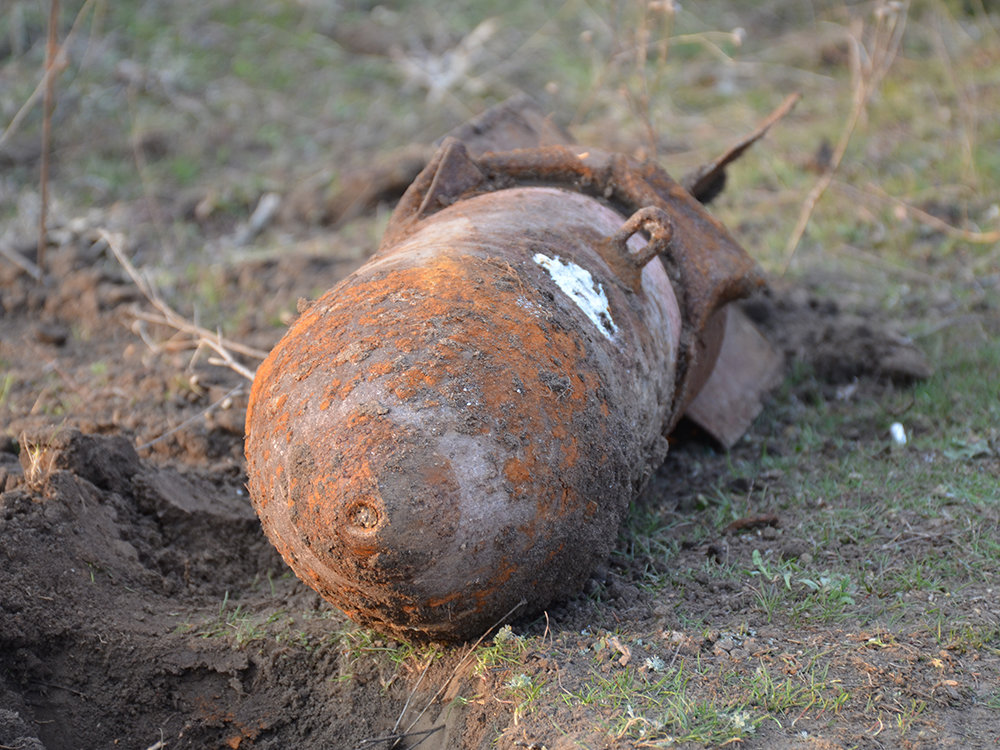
(967,109)
(413,692)
(869,67)
(231,394)
(47,106)
(29,103)
(640,101)
(55,63)
(652,34)
(21,262)
(468,654)
(927,219)
(200,337)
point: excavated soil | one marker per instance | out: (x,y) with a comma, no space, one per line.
(141,604)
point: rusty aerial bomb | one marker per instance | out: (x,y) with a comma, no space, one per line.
(458,427)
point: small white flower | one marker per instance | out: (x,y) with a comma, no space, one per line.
(655,664)
(504,635)
(741,721)
(518,682)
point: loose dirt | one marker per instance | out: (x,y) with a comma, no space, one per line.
(141,603)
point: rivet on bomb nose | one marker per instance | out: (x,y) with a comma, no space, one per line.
(363,517)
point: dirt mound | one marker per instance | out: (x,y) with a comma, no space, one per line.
(838,346)
(101,550)
(125,585)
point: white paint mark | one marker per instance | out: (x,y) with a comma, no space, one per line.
(579,286)
(898,433)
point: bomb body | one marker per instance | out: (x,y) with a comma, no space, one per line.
(456,429)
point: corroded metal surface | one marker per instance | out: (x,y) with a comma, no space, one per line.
(459,426)
(707,266)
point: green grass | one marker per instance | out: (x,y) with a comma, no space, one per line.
(904,540)
(525,692)
(903,532)
(932,505)
(6,383)
(671,705)
(237,623)
(347,645)
(784,588)
(655,707)
(505,650)
(362,643)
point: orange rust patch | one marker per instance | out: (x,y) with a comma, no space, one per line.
(504,573)
(379,368)
(407,384)
(516,471)
(569,501)
(555,552)
(357,418)
(332,390)
(363,550)
(528,529)
(571,452)
(442,600)
(437,474)
(465,324)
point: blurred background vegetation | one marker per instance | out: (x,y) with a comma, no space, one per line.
(174,118)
